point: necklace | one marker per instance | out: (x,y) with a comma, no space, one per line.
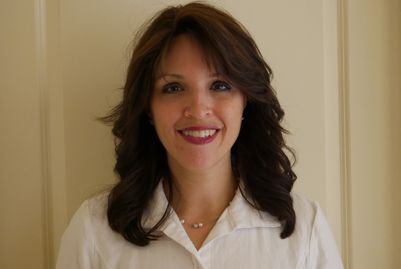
(197,225)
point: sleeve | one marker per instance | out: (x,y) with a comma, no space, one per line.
(77,244)
(323,252)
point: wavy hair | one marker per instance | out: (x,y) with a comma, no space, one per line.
(259,154)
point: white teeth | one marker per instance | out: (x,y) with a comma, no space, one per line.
(199,134)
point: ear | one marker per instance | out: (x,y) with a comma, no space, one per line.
(245,104)
(244,108)
(245,99)
(150,118)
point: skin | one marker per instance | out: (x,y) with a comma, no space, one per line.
(189,95)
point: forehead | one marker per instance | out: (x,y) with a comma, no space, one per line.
(183,52)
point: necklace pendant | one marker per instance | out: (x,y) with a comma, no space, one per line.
(197,225)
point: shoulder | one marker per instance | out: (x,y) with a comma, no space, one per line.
(78,248)
(312,227)
(305,209)
(93,209)
(91,215)
(307,214)
(96,207)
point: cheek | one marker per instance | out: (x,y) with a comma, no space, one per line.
(238,104)
(237,109)
(160,113)
(235,114)
(233,118)
(164,119)
(161,108)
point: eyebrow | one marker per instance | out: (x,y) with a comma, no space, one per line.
(169,75)
(213,75)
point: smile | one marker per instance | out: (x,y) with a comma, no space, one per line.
(198,136)
(201,134)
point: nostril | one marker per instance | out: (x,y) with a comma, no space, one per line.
(197,112)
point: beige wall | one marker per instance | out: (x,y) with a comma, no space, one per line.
(22,238)
(374,86)
(336,64)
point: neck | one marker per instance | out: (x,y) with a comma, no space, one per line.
(202,195)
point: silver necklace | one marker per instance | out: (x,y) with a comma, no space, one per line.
(197,225)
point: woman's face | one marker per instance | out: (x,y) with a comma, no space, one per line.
(196,112)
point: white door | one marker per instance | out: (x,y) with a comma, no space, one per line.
(337,67)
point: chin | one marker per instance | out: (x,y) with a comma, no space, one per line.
(199,164)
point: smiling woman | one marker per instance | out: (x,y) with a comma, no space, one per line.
(204,178)
(192,106)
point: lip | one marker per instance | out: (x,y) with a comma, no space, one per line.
(199,140)
(199,128)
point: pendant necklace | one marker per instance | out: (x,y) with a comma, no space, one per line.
(197,225)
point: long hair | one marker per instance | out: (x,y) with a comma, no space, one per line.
(258,156)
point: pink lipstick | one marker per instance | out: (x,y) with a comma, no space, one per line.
(199,135)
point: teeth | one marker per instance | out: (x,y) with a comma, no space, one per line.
(199,134)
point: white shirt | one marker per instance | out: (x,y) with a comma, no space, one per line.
(242,238)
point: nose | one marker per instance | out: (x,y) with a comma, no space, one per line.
(198,105)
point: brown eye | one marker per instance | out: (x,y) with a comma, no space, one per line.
(172,88)
(221,86)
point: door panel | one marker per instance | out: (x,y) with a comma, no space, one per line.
(63,63)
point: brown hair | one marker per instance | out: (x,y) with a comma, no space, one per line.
(258,155)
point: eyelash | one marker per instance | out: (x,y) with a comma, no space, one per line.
(168,88)
(221,83)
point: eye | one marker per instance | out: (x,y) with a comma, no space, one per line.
(172,88)
(221,86)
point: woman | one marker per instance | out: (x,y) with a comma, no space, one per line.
(204,178)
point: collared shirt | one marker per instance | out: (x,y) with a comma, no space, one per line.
(243,237)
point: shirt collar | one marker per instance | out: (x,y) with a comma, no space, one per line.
(238,215)
(157,207)
(243,215)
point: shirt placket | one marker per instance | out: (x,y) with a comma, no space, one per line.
(204,255)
